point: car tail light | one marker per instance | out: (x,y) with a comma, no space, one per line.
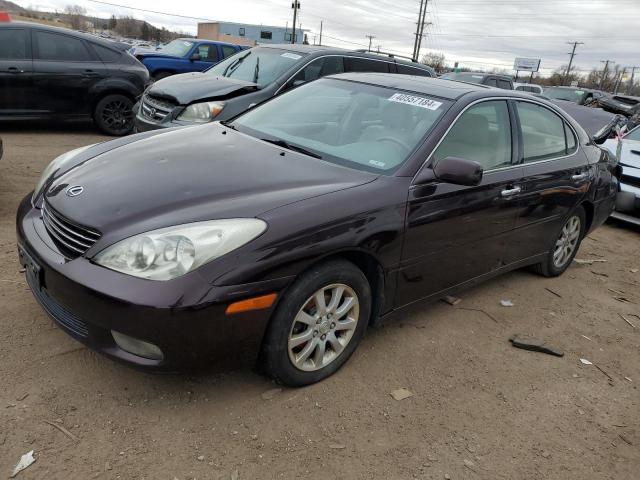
(5,17)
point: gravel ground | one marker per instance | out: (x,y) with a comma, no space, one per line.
(480,409)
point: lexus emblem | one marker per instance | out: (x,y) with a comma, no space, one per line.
(74,191)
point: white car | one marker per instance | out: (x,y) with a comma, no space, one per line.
(627,150)
(528,87)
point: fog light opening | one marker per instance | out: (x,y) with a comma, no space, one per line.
(137,347)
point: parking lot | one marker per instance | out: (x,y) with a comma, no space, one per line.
(480,408)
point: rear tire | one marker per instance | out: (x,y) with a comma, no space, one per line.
(114,115)
(318,324)
(565,245)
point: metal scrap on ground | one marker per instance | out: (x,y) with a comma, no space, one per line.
(534,345)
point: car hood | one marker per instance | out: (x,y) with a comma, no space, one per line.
(188,175)
(628,154)
(187,88)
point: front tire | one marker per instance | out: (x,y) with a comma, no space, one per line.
(114,115)
(318,324)
(565,245)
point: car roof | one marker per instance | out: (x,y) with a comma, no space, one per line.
(206,40)
(449,89)
(483,74)
(321,49)
(74,33)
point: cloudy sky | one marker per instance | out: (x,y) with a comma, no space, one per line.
(476,33)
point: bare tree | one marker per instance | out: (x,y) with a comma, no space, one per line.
(76,15)
(435,61)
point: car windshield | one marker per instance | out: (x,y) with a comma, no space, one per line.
(258,65)
(360,126)
(464,77)
(569,94)
(633,135)
(179,48)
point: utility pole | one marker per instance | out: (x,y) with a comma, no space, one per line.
(630,85)
(573,54)
(415,43)
(620,75)
(295,5)
(320,43)
(604,72)
(370,37)
(422,25)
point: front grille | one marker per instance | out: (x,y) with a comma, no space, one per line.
(629,180)
(156,108)
(72,239)
(60,314)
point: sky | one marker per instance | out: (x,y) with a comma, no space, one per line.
(476,33)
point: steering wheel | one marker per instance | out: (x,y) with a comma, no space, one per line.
(396,141)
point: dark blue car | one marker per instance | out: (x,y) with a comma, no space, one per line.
(185,55)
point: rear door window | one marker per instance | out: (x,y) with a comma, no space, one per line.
(481,134)
(59,47)
(492,82)
(13,44)
(106,54)
(504,84)
(543,132)
(227,51)
(353,64)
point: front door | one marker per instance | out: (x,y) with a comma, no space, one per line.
(458,233)
(16,75)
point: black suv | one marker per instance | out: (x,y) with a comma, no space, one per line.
(49,72)
(489,79)
(251,77)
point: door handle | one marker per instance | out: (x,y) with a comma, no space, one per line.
(510,192)
(578,177)
(15,70)
(89,73)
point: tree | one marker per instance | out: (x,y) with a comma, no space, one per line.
(435,61)
(113,22)
(145,32)
(76,15)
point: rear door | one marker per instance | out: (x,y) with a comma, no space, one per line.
(458,233)
(16,71)
(556,177)
(65,69)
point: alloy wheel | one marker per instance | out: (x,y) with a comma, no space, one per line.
(323,327)
(117,115)
(567,242)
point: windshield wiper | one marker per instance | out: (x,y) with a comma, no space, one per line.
(288,146)
(228,125)
(233,66)
(256,72)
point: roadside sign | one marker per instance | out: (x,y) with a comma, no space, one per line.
(574,83)
(526,64)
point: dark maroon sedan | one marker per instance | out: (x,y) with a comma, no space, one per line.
(286,232)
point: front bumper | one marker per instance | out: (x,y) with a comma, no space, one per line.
(184,317)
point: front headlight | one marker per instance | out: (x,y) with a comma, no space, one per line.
(54,166)
(171,252)
(201,112)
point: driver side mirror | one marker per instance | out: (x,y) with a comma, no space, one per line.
(194,56)
(458,171)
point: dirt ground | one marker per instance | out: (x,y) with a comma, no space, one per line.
(480,409)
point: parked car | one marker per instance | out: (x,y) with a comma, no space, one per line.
(55,73)
(528,87)
(185,55)
(251,77)
(627,151)
(599,124)
(489,79)
(292,228)
(624,104)
(581,96)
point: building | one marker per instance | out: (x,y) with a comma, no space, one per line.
(246,34)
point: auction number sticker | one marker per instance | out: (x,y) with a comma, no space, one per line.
(292,56)
(415,101)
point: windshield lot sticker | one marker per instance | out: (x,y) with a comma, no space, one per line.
(378,164)
(292,56)
(415,101)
